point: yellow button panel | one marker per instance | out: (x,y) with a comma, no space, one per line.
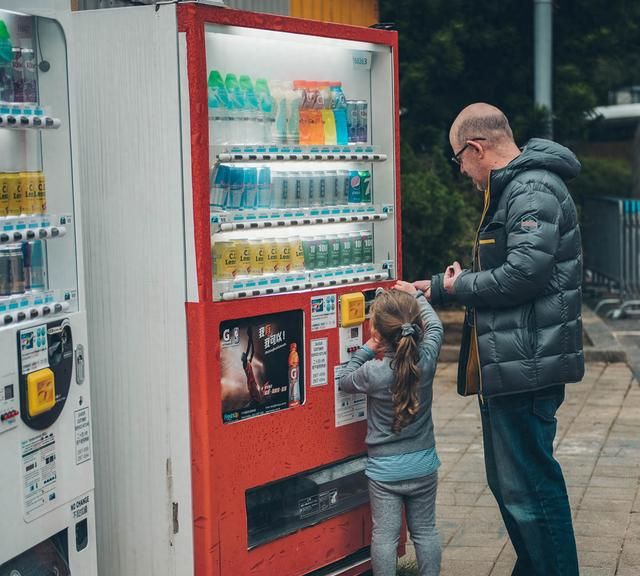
(352,309)
(41,391)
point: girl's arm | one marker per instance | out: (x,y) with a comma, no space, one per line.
(433,332)
(354,375)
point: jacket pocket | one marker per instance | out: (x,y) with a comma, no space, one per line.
(492,246)
(465,386)
(531,330)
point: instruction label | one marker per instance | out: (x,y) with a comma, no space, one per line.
(319,361)
(39,474)
(83,435)
(349,408)
(34,353)
(323,312)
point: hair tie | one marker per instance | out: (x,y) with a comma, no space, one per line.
(409,329)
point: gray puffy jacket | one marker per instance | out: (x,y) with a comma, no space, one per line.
(523,323)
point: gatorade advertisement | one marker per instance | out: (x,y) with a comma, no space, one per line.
(262,365)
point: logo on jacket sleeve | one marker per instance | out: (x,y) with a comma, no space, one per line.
(529,224)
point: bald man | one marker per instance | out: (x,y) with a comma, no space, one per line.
(522,338)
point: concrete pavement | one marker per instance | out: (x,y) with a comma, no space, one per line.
(598,445)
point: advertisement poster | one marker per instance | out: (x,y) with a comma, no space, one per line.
(262,364)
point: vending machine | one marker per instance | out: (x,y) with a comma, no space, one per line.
(242,208)
(47,524)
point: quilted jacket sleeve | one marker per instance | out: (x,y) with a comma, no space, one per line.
(532,235)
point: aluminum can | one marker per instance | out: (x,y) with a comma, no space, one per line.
(236,188)
(365,186)
(363,117)
(356,247)
(284,254)
(310,250)
(4,193)
(30,189)
(34,265)
(257,256)
(322,252)
(346,250)
(297,253)
(225,260)
(295,189)
(367,246)
(271,258)
(264,188)
(16,269)
(352,120)
(5,271)
(318,188)
(243,251)
(250,188)
(16,195)
(355,189)
(334,251)
(41,200)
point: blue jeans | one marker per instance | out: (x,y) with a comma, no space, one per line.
(419,499)
(527,481)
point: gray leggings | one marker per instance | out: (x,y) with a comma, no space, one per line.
(419,498)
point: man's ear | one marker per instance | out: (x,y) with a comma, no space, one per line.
(478,148)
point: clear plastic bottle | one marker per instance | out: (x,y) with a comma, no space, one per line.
(265,110)
(219,106)
(254,124)
(237,133)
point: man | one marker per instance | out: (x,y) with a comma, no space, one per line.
(522,339)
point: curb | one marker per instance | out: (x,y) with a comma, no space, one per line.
(604,345)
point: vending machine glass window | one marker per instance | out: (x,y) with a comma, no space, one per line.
(301,182)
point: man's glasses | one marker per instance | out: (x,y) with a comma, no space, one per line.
(456,157)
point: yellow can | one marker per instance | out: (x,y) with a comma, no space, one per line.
(4,193)
(16,196)
(40,205)
(270,256)
(284,254)
(244,256)
(257,256)
(30,192)
(297,253)
(225,260)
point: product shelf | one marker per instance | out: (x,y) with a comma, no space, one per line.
(25,117)
(250,286)
(25,307)
(269,153)
(225,221)
(24,229)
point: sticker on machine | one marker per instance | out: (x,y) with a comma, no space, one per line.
(39,475)
(349,408)
(83,435)
(319,360)
(34,352)
(323,312)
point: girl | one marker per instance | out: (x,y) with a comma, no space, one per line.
(402,464)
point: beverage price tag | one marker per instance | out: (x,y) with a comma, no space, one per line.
(361,60)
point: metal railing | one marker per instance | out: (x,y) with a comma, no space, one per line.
(611,240)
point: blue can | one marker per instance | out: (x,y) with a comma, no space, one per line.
(355,187)
(219,186)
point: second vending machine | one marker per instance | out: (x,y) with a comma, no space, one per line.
(242,208)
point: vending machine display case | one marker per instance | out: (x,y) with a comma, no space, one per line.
(252,459)
(46,474)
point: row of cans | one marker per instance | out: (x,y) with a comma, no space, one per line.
(357,121)
(236,188)
(281,255)
(22,268)
(22,193)
(19,79)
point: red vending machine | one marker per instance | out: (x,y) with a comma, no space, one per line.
(242,205)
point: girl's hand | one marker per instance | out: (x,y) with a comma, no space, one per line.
(405,287)
(374,344)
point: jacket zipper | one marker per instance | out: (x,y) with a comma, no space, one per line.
(487,197)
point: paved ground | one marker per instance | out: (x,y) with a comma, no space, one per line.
(598,445)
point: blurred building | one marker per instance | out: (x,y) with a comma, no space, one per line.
(355,12)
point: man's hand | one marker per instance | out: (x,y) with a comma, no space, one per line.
(424,286)
(450,276)
(405,287)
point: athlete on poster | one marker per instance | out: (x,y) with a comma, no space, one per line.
(261,360)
